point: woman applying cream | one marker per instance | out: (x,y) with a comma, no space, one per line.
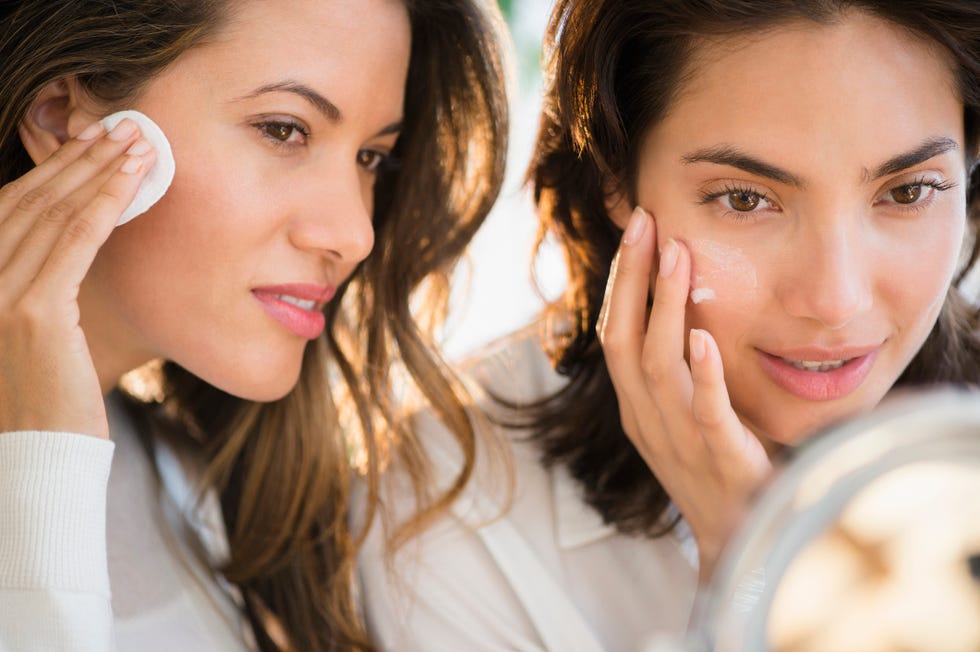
(765,208)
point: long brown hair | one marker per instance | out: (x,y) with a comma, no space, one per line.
(614,68)
(283,468)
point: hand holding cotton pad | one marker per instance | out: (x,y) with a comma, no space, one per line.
(158,179)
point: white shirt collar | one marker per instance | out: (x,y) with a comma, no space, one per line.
(201,510)
(577,524)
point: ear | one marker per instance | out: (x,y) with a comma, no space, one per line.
(60,111)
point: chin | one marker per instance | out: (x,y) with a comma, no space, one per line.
(260,386)
(803,425)
(265,394)
(272,389)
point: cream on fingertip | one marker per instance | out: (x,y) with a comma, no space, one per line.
(158,179)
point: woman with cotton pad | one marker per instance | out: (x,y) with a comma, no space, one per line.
(226,353)
(813,165)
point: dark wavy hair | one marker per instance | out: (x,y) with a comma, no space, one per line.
(613,70)
(283,469)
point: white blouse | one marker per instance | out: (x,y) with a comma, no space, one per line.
(544,574)
(93,561)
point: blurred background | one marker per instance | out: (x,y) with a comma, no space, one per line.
(493,292)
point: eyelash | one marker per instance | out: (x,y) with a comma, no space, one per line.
(925,182)
(296,127)
(730,189)
(382,160)
(743,216)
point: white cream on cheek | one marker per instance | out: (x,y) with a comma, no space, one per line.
(702,294)
(719,265)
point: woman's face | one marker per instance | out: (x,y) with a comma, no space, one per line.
(817,175)
(277,127)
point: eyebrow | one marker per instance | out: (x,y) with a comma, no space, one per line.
(921,154)
(321,103)
(736,158)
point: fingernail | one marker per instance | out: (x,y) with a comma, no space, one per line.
(636,226)
(699,347)
(139,148)
(91,132)
(668,258)
(123,130)
(132,165)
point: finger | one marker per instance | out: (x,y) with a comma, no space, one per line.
(56,194)
(711,406)
(14,192)
(31,255)
(600,322)
(623,316)
(663,361)
(76,247)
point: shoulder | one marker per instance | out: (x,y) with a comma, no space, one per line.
(514,368)
(456,582)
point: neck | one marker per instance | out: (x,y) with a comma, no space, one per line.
(114,348)
(111,367)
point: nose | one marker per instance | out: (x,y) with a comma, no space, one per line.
(831,277)
(335,218)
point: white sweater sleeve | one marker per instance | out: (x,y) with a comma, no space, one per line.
(54,581)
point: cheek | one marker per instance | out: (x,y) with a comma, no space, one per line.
(915,275)
(202,223)
(169,242)
(721,274)
(725,292)
(181,256)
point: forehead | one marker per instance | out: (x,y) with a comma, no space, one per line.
(793,47)
(350,48)
(275,26)
(859,79)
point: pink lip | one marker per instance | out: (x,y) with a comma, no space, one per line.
(308,324)
(820,385)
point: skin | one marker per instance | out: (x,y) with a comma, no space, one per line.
(270,189)
(818,266)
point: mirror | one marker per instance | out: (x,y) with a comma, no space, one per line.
(866,539)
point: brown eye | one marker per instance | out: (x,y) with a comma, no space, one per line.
(744,201)
(282,133)
(906,194)
(279,131)
(370,160)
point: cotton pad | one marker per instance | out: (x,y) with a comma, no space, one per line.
(158,179)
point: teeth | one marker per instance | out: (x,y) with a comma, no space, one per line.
(807,365)
(299,303)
